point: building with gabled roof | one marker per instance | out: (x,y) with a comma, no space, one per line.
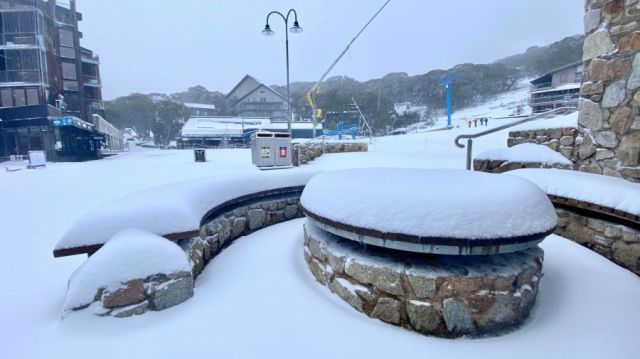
(252,98)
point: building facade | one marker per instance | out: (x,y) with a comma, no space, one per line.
(49,85)
(252,98)
(558,88)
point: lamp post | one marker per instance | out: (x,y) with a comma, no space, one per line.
(296,29)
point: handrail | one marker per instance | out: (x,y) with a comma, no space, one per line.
(500,128)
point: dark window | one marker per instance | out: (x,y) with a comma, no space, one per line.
(3,152)
(35,139)
(23,141)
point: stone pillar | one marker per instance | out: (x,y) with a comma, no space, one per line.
(609,121)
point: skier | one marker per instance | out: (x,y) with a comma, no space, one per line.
(486,121)
(469,122)
(475,122)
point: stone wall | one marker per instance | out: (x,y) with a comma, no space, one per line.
(609,120)
(306,152)
(219,232)
(561,140)
(617,242)
(137,296)
(446,296)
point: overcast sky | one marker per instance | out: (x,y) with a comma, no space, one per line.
(167,46)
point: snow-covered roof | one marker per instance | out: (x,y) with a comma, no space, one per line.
(525,153)
(217,126)
(562,121)
(602,190)
(569,86)
(200,105)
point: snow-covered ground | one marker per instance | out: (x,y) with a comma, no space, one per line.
(257,298)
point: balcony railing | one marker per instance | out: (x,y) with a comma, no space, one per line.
(556,98)
(30,76)
(540,86)
(20,39)
(89,80)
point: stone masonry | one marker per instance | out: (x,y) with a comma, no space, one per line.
(446,296)
(221,231)
(609,121)
(306,152)
(617,242)
(562,140)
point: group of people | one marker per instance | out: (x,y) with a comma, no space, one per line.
(483,121)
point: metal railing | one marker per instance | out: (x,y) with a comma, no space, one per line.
(500,128)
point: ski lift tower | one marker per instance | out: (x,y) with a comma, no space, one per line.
(447,82)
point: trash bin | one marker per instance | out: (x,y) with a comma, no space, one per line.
(200,155)
(271,150)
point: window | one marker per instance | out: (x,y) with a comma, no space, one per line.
(66,38)
(7,98)
(21,99)
(32,97)
(69,71)
(71,85)
(68,52)
(563,78)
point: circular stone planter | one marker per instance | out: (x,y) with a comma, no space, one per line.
(441,252)
(451,212)
(446,296)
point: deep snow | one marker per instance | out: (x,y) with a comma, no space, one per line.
(257,298)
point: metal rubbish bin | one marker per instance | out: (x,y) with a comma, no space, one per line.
(200,155)
(271,150)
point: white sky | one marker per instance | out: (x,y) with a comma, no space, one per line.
(167,46)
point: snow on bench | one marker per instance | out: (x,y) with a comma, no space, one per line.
(433,211)
(174,211)
(526,153)
(616,194)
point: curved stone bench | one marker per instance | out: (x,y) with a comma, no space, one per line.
(425,259)
(203,217)
(599,212)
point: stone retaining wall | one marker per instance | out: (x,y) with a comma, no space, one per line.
(618,243)
(306,152)
(446,296)
(561,140)
(219,232)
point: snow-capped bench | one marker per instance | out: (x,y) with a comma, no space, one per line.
(599,212)
(526,155)
(177,211)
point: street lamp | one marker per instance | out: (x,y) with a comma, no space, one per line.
(296,29)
